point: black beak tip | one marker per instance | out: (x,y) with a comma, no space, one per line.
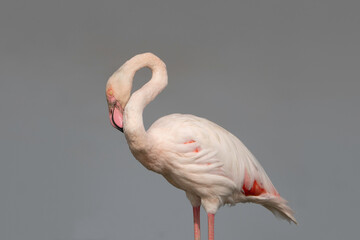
(119,128)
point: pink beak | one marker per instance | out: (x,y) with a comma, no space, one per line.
(115,113)
(116,117)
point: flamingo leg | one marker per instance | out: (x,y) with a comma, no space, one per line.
(196,211)
(211,221)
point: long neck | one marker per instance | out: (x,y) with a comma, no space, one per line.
(133,120)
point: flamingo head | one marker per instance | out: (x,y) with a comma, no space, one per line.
(117,95)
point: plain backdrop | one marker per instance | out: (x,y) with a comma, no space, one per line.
(283,76)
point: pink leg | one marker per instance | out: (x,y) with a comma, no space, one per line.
(196,211)
(211,221)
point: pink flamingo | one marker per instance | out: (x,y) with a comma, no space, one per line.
(210,164)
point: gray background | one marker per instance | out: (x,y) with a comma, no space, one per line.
(281,75)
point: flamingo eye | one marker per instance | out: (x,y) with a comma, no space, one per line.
(110,92)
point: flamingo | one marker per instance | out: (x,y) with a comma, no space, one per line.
(209,163)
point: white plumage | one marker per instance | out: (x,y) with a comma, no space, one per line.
(194,154)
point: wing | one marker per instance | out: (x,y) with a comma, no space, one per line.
(207,152)
(204,159)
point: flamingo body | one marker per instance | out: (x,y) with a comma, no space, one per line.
(194,154)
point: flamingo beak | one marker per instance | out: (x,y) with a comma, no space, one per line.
(115,111)
(116,116)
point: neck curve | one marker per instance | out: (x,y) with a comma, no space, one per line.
(134,129)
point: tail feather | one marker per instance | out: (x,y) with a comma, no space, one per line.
(277,205)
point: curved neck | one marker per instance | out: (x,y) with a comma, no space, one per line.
(133,120)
